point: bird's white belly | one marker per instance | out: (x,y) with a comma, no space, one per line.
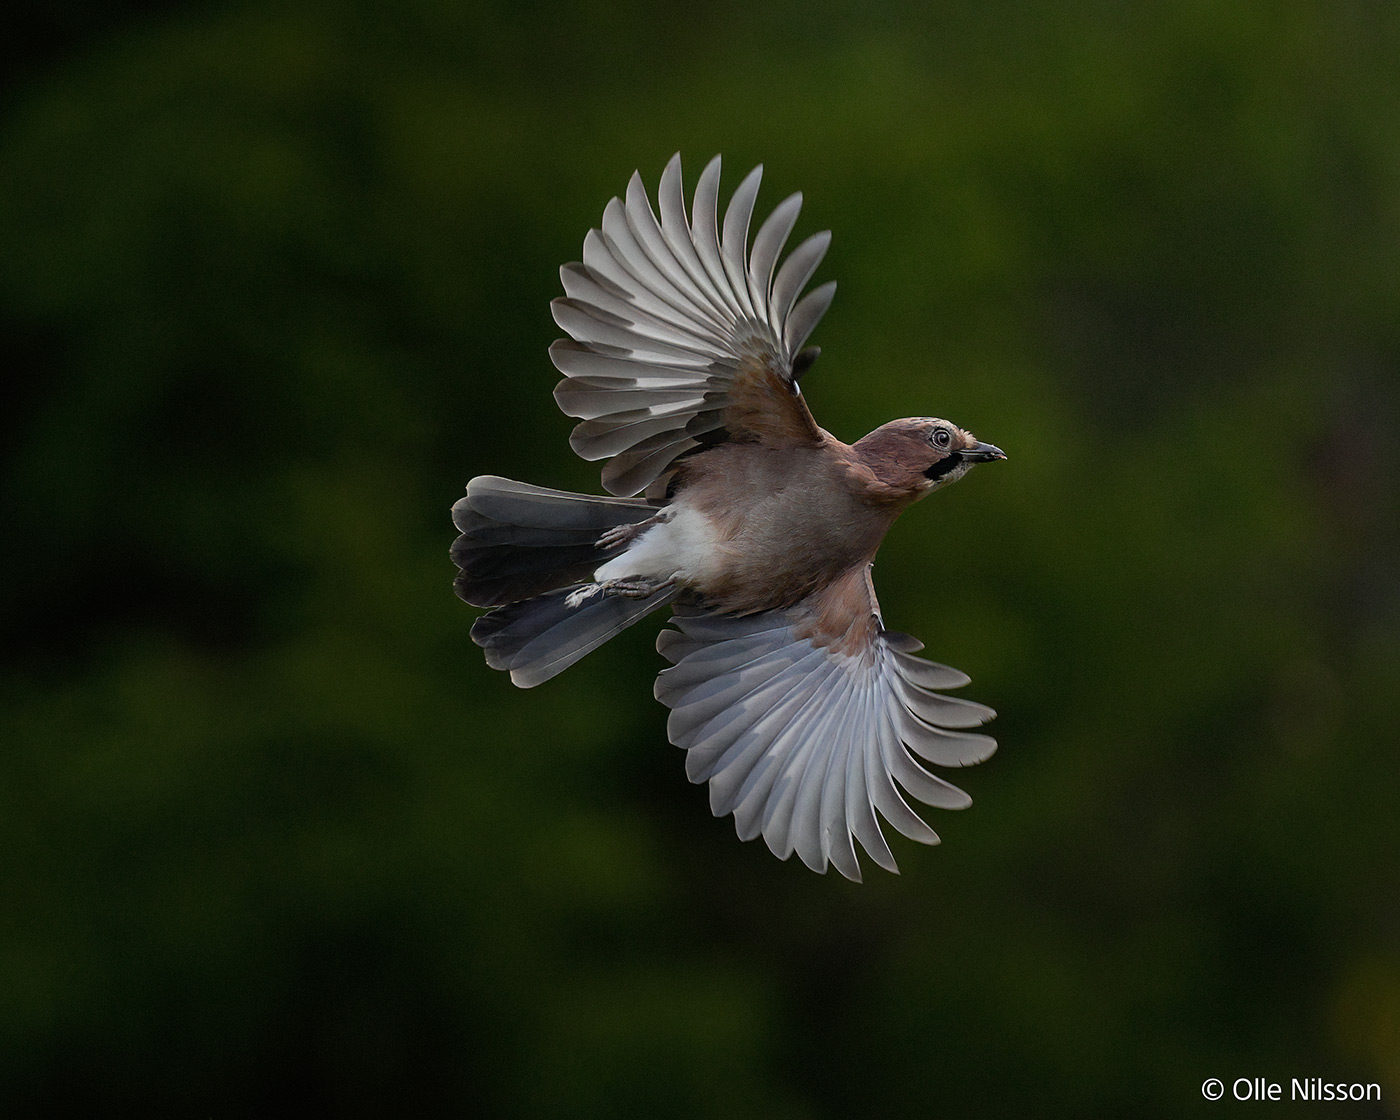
(684,547)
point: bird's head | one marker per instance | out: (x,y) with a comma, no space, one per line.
(919,455)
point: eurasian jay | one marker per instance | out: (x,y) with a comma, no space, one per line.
(759,528)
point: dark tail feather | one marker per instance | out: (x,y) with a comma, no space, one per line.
(519,541)
(541,637)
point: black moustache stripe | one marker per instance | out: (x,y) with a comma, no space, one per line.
(943,466)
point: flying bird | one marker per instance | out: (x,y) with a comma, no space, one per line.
(729,504)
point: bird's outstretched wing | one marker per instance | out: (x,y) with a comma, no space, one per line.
(681,335)
(802,720)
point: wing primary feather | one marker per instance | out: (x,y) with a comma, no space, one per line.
(583,284)
(928,674)
(586,323)
(705,726)
(833,832)
(838,825)
(711,697)
(602,260)
(592,402)
(796,271)
(577,359)
(701,663)
(898,642)
(640,439)
(886,796)
(919,783)
(734,249)
(804,831)
(938,710)
(648,284)
(753,799)
(673,646)
(729,757)
(806,315)
(611,435)
(721,750)
(944,748)
(646,230)
(767,247)
(675,227)
(778,815)
(673,329)
(860,810)
(618,235)
(705,233)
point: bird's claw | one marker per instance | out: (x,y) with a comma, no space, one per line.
(618,534)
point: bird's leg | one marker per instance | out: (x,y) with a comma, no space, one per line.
(626,534)
(635,588)
(622,588)
(627,580)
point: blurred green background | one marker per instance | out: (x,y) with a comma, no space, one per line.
(275,283)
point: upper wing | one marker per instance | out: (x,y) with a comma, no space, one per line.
(681,336)
(802,720)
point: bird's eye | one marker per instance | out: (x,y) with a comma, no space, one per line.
(942,437)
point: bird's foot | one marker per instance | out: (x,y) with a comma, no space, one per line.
(625,534)
(580,595)
(623,588)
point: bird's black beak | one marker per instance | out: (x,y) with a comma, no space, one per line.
(983,453)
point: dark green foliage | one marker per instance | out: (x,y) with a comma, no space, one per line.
(274,282)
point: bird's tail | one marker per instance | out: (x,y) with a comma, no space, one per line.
(531,553)
(541,637)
